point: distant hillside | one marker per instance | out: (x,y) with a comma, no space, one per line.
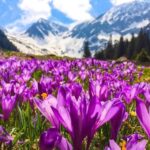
(5,44)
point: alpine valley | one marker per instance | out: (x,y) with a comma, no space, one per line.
(48,37)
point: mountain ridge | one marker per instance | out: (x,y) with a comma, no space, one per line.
(122,19)
(119,20)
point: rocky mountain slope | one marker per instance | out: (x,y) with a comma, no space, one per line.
(5,43)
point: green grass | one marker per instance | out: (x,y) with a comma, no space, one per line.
(146,75)
(8,54)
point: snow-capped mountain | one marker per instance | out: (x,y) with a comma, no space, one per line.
(123,19)
(51,37)
(43,28)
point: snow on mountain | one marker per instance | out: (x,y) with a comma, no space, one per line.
(52,44)
(121,20)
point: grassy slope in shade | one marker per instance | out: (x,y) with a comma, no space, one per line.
(5,44)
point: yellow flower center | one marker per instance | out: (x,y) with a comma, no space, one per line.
(133,113)
(123,145)
(44,96)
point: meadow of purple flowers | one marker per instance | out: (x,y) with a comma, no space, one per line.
(76,104)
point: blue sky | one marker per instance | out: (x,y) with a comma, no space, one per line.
(18,14)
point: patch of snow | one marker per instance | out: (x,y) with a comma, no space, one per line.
(137,25)
(52,44)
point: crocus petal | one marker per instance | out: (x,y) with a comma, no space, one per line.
(62,96)
(4,136)
(92,115)
(116,121)
(135,141)
(143,115)
(126,115)
(76,90)
(51,139)
(133,92)
(45,108)
(113,145)
(76,120)
(138,146)
(8,103)
(64,117)
(7,87)
(64,144)
(147,95)
(110,108)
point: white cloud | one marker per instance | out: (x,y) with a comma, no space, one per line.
(15,27)
(118,2)
(34,9)
(78,10)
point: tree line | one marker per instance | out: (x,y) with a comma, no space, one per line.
(138,48)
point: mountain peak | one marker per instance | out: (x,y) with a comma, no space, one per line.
(43,28)
(42,20)
(119,20)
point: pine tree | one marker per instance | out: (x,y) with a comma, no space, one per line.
(109,51)
(100,55)
(136,49)
(139,45)
(121,48)
(87,52)
(126,45)
(131,47)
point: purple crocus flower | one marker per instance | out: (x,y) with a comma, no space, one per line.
(44,86)
(135,141)
(7,87)
(82,117)
(45,108)
(112,146)
(19,88)
(8,104)
(147,93)
(130,93)
(132,142)
(143,115)
(4,136)
(112,111)
(72,76)
(117,120)
(51,139)
(98,90)
(26,75)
